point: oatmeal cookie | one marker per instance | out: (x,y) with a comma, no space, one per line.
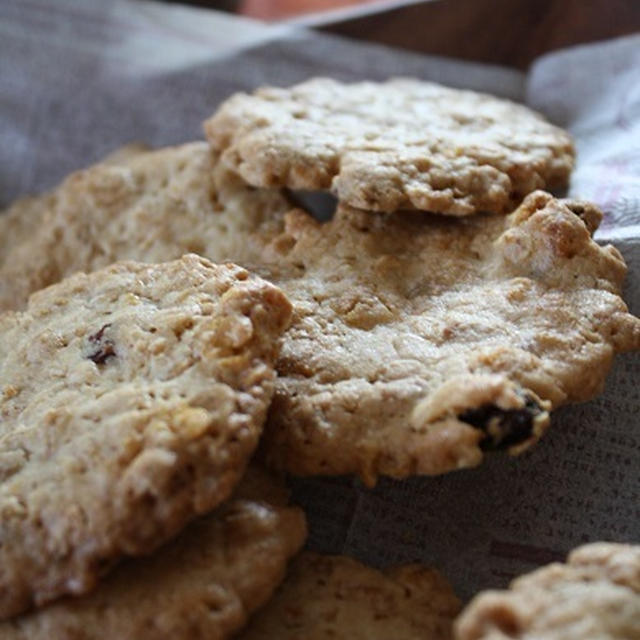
(596,594)
(421,342)
(337,597)
(202,585)
(400,144)
(148,207)
(131,401)
(23,218)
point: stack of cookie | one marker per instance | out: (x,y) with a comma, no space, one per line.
(445,309)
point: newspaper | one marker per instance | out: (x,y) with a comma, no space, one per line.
(79,78)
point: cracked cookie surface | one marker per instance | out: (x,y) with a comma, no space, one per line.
(132,399)
(400,144)
(202,585)
(420,342)
(146,206)
(515,314)
(596,594)
(338,597)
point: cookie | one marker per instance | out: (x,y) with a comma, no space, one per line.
(400,144)
(148,207)
(419,342)
(363,370)
(21,220)
(203,584)
(596,594)
(337,597)
(132,398)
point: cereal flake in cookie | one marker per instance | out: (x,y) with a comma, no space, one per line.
(595,595)
(202,585)
(131,401)
(421,342)
(337,597)
(400,144)
(148,207)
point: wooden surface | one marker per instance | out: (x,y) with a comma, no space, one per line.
(283,9)
(278,9)
(507,32)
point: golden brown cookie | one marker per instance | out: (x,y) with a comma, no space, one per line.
(594,596)
(24,217)
(131,401)
(202,585)
(148,207)
(19,223)
(420,342)
(337,597)
(400,144)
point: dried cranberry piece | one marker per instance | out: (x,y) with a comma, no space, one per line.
(503,427)
(103,348)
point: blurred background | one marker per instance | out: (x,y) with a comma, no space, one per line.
(507,32)
(281,9)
